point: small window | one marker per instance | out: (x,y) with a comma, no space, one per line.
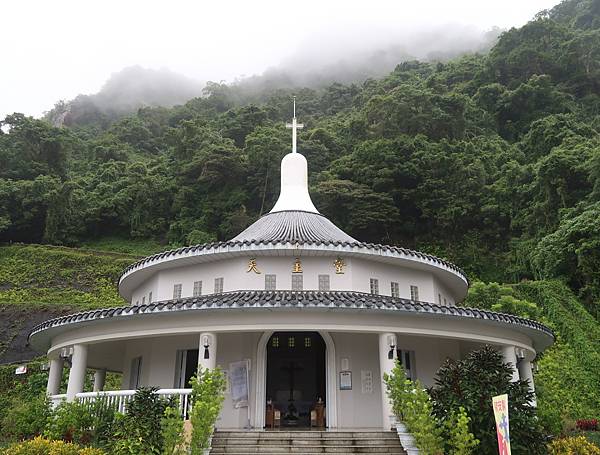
(445,303)
(197,288)
(291,342)
(177,291)
(275,342)
(307,342)
(270,282)
(374,286)
(150,297)
(395,288)
(297,282)
(440,299)
(218,285)
(323,282)
(143,300)
(137,302)
(414,293)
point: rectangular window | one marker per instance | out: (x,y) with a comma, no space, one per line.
(297,283)
(414,293)
(150,297)
(143,300)
(323,282)
(445,303)
(374,286)
(440,299)
(307,342)
(407,359)
(218,285)
(270,282)
(135,373)
(291,342)
(395,288)
(197,288)
(177,291)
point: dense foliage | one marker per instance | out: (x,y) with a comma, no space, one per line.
(207,397)
(492,161)
(39,446)
(470,383)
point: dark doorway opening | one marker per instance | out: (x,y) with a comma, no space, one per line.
(296,375)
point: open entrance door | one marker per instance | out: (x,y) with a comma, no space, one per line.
(296,382)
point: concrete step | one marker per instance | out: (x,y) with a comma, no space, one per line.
(279,442)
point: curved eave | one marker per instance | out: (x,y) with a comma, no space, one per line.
(137,273)
(41,336)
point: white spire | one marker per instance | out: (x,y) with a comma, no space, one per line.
(294,178)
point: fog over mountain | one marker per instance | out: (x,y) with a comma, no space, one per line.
(321,60)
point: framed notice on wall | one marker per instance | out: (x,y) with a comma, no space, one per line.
(345,380)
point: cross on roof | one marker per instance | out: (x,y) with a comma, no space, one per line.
(294,126)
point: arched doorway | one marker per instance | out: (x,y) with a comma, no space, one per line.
(296,375)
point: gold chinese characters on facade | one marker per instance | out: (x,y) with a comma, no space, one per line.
(252,267)
(339,265)
(297,266)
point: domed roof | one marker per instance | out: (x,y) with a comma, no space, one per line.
(293,226)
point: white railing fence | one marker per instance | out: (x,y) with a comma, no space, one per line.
(119,399)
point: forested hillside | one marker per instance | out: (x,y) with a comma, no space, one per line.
(492,161)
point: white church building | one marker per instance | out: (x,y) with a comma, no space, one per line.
(298,313)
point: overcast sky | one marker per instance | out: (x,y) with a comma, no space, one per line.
(52,50)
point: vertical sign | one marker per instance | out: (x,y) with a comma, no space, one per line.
(238,380)
(500,404)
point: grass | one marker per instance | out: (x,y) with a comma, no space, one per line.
(40,275)
(137,247)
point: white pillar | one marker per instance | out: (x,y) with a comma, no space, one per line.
(526,373)
(510,357)
(77,373)
(99,379)
(207,351)
(55,376)
(387,342)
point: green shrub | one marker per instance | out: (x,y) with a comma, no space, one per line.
(26,418)
(577,445)
(460,440)
(412,404)
(72,422)
(172,431)
(471,383)
(207,400)
(40,446)
(139,431)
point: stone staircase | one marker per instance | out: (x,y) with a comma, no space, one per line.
(279,442)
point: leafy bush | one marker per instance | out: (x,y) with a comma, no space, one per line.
(72,422)
(412,404)
(26,418)
(471,383)
(139,431)
(207,400)
(577,445)
(460,439)
(172,431)
(40,446)
(587,424)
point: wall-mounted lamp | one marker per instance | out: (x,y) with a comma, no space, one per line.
(66,354)
(391,339)
(206,344)
(520,353)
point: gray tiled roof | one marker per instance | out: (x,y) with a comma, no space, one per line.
(294,227)
(293,299)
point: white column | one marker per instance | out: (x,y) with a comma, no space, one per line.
(77,373)
(510,357)
(99,379)
(207,351)
(387,342)
(526,373)
(55,376)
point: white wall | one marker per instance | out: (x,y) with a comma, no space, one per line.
(356,277)
(355,408)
